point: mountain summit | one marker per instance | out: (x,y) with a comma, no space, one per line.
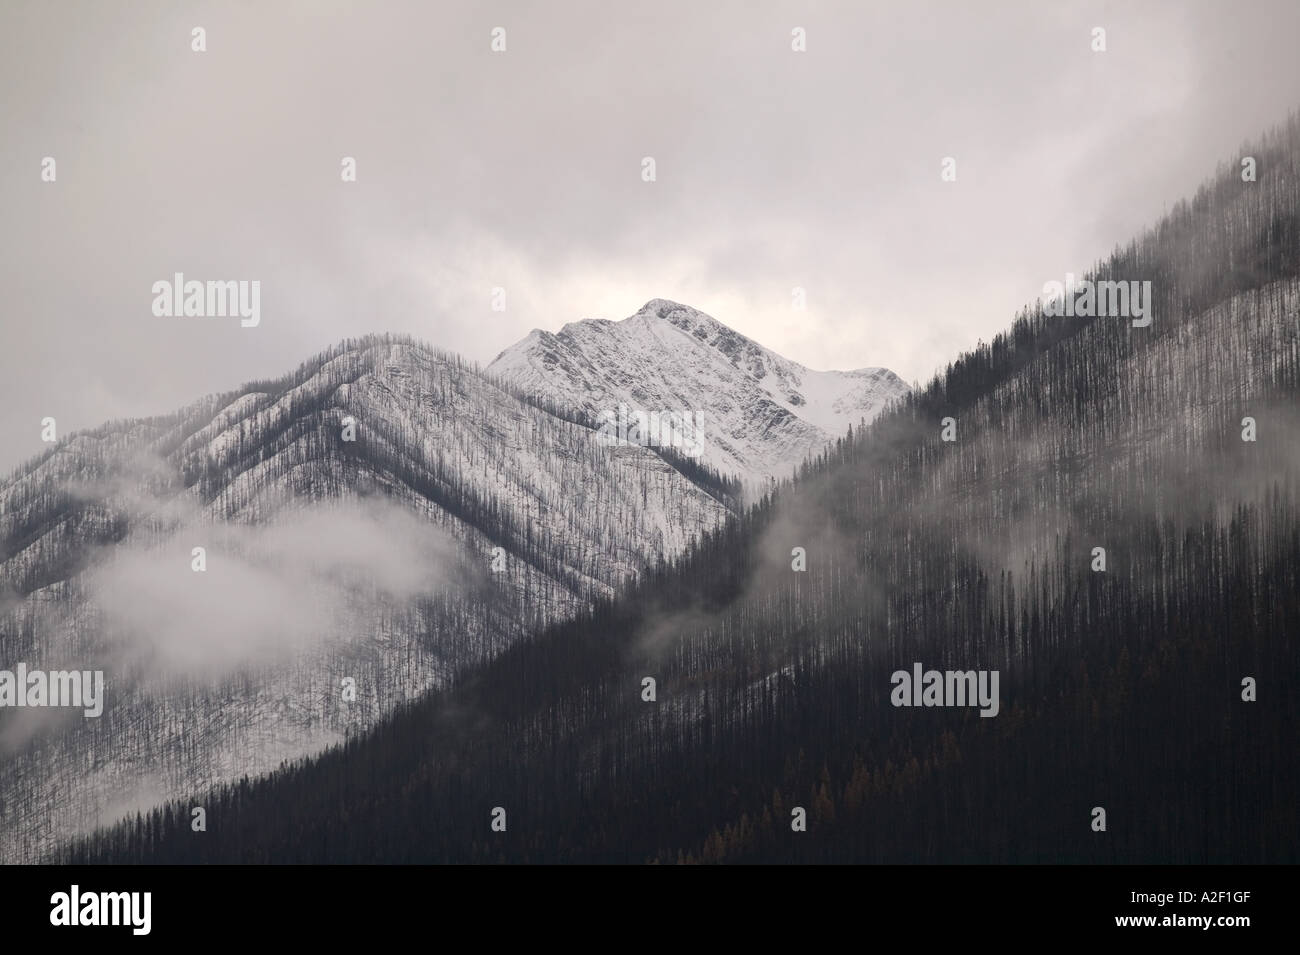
(761,414)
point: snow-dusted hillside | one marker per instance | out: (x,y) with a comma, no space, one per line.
(384,516)
(326,559)
(761,414)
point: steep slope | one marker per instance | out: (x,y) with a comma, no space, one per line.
(350,517)
(758,415)
(1126,685)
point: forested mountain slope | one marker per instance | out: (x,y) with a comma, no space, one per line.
(350,517)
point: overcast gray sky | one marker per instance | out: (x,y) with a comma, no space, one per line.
(522,169)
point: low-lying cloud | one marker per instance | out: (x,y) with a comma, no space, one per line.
(266,592)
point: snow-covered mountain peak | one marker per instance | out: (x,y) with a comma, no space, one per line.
(761,413)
